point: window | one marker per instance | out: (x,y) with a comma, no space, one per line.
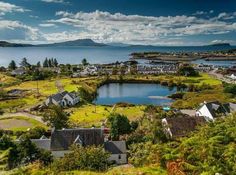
(119,157)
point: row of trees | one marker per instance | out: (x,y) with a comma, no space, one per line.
(51,62)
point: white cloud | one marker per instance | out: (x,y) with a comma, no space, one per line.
(55,1)
(107,27)
(47,25)
(9,8)
(226,16)
(12,30)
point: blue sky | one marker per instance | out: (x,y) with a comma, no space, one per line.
(156,22)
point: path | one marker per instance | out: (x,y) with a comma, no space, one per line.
(25,114)
(220,76)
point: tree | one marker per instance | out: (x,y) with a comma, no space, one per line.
(119,125)
(24,63)
(12,65)
(55,63)
(90,158)
(38,64)
(45,63)
(187,71)
(84,62)
(56,117)
(49,63)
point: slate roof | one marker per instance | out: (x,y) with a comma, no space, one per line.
(215,108)
(230,107)
(182,125)
(63,139)
(42,143)
(115,147)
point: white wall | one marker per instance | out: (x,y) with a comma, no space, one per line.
(204,112)
(115,157)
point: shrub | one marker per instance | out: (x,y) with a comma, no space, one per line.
(119,125)
(82,158)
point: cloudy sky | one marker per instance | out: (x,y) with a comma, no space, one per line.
(156,22)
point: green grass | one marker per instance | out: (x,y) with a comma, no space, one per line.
(87,116)
(120,170)
(19,123)
(6,80)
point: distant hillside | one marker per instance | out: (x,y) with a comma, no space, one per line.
(79,42)
(220,45)
(7,44)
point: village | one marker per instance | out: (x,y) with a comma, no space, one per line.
(176,121)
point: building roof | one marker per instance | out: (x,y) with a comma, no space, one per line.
(182,125)
(115,147)
(215,108)
(42,143)
(230,107)
(63,139)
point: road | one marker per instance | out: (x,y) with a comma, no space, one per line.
(25,114)
(220,76)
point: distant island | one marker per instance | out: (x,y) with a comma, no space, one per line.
(220,45)
(79,42)
(7,44)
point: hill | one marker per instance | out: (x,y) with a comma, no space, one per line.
(79,42)
(7,44)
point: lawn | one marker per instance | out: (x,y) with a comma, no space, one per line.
(19,123)
(6,80)
(89,115)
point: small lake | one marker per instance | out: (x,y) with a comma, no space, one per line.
(135,93)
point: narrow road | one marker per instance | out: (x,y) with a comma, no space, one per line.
(25,114)
(220,76)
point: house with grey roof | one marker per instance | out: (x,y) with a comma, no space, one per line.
(63,99)
(62,140)
(211,110)
(18,71)
(118,151)
(181,125)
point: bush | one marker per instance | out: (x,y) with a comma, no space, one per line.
(82,158)
(230,88)
(187,71)
(119,125)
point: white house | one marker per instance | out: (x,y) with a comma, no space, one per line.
(63,99)
(212,110)
(61,140)
(118,151)
(232,76)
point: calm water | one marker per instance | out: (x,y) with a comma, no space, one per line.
(134,93)
(74,55)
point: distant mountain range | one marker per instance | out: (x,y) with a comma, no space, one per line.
(86,43)
(220,45)
(79,42)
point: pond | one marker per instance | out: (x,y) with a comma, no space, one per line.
(134,93)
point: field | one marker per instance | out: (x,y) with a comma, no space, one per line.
(19,123)
(120,170)
(6,80)
(89,115)
(49,87)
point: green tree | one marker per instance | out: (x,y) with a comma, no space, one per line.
(90,158)
(45,63)
(55,63)
(56,117)
(119,125)
(84,62)
(187,71)
(24,63)
(12,65)
(38,64)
